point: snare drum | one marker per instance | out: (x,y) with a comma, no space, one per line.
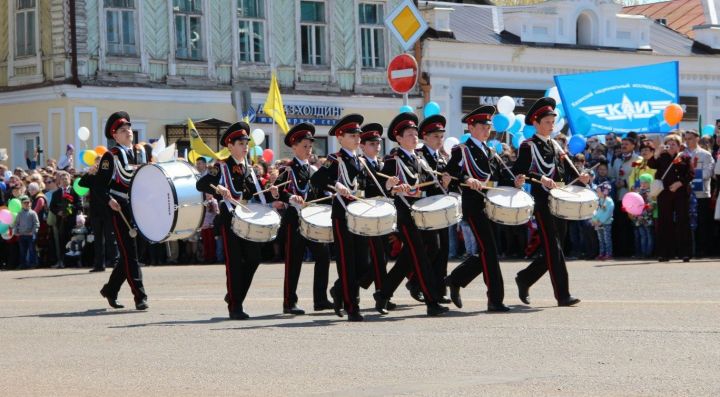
(165,204)
(573,202)
(255,222)
(316,223)
(436,212)
(509,206)
(371,217)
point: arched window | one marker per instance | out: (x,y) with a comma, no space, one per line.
(586,29)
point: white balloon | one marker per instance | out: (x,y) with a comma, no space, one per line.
(83,133)
(449,143)
(554,94)
(506,105)
(258,136)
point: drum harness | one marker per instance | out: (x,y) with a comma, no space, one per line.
(426,166)
(122,174)
(226,180)
(296,187)
(343,174)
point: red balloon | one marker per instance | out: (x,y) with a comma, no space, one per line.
(268,155)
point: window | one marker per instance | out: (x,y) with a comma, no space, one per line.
(251,30)
(372,35)
(25,28)
(188,29)
(312,32)
(120,20)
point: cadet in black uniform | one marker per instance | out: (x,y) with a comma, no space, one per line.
(542,159)
(404,164)
(340,173)
(111,185)
(474,164)
(297,171)
(234,180)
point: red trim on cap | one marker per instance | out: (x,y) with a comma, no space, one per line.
(540,111)
(117,124)
(404,124)
(370,134)
(297,137)
(478,117)
(434,127)
(347,126)
(235,134)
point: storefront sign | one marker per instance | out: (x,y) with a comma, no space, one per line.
(311,113)
(473,97)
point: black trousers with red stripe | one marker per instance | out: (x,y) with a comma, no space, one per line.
(485,262)
(242,258)
(550,254)
(126,266)
(413,258)
(351,259)
(295,245)
(377,270)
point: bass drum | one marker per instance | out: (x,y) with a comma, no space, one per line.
(165,204)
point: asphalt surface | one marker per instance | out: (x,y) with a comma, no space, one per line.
(642,329)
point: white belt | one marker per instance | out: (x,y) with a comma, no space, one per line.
(119,194)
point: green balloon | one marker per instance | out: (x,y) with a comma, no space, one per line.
(81,191)
(14,206)
(4,228)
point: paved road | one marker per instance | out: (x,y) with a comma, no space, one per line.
(643,329)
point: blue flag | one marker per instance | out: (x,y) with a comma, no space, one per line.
(620,100)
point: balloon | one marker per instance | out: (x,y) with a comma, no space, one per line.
(708,130)
(83,133)
(517,140)
(673,114)
(406,109)
(582,126)
(80,190)
(14,205)
(4,228)
(559,124)
(6,217)
(431,109)
(256,151)
(576,144)
(88,157)
(464,138)
(100,150)
(258,136)
(7,235)
(496,145)
(267,155)
(528,131)
(501,122)
(450,142)
(515,126)
(553,93)
(633,203)
(560,111)
(505,105)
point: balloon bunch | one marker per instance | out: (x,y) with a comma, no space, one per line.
(7,217)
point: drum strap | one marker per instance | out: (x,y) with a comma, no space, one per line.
(226,180)
(425,166)
(257,186)
(296,185)
(399,165)
(540,164)
(367,169)
(471,167)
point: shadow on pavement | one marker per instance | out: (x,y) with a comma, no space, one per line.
(86,313)
(213,320)
(53,275)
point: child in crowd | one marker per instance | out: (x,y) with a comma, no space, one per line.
(26,227)
(644,225)
(602,220)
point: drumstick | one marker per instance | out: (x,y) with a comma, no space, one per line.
(319,199)
(268,189)
(231,200)
(383,175)
(590,169)
(454,178)
(131,230)
(355,197)
(566,191)
(481,187)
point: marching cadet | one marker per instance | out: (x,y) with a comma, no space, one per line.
(297,171)
(542,159)
(371,145)
(474,164)
(233,181)
(405,165)
(340,174)
(111,185)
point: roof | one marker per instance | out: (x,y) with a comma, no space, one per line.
(680,15)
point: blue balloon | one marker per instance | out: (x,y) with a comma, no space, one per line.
(528,131)
(498,147)
(582,126)
(431,109)
(576,144)
(654,123)
(493,144)
(517,140)
(708,130)
(256,151)
(501,122)
(465,137)
(4,228)
(516,126)
(406,109)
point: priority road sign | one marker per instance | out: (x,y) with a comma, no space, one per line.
(406,24)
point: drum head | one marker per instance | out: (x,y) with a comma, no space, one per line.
(257,214)
(371,208)
(510,197)
(435,203)
(317,214)
(153,201)
(575,194)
